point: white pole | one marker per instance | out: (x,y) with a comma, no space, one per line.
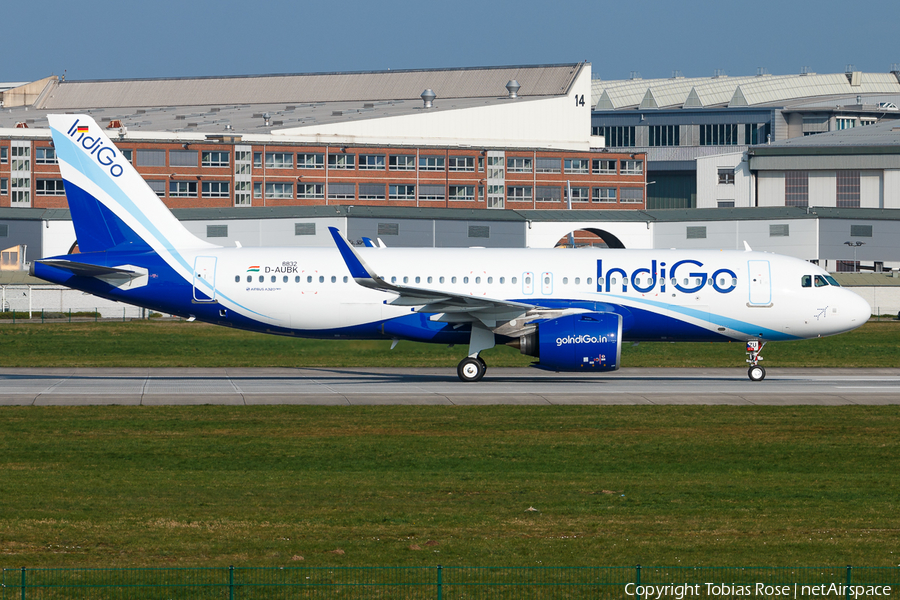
(29,301)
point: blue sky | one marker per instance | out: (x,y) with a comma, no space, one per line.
(165,38)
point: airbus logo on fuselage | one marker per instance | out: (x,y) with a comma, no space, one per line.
(105,155)
(656,276)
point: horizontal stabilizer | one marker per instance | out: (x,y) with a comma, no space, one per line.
(87,270)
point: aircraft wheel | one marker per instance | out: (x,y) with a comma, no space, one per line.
(470,369)
(483,364)
(756,373)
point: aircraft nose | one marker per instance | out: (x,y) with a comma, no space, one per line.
(858,309)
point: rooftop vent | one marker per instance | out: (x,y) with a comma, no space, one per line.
(513,88)
(635,75)
(114,124)
(428,97)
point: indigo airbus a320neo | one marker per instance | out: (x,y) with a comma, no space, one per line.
(572,310)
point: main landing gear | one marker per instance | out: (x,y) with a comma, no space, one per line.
(756,372)
(472,368)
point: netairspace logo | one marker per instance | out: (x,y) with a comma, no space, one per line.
(581,339)
(762,590)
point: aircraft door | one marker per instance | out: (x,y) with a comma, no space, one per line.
(205,279)
(546,283)
(760,282)
(528,283)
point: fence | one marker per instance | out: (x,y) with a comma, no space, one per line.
(453,583)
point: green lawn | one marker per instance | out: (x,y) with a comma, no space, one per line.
(182,344)
(257,486)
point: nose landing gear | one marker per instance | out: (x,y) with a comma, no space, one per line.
(756,372)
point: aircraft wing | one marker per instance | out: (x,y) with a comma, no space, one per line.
(462,307)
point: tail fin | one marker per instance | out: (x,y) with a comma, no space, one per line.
(112,207)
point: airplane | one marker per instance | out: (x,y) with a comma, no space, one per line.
(570,309)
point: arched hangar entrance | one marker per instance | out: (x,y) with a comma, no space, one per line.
(590,236)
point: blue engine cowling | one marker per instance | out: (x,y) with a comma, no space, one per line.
(583,342)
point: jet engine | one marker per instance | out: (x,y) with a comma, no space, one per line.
(589,341)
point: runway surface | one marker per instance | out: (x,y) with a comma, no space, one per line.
(358,386)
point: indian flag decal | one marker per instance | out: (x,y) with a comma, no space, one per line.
(254,269)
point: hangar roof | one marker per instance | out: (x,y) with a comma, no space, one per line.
(723,91)
(195,107)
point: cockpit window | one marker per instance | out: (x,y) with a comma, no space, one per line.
(820,281)
(806,281)
(832,281)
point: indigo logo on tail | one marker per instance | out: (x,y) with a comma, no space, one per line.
(105,155)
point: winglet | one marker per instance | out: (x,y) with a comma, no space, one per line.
(747,247)
(368,242)
(358,268)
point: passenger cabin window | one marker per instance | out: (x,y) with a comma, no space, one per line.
(806,281)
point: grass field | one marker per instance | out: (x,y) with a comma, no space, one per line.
(182,344)
(259,486)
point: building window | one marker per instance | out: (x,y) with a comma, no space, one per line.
(860,231)
(215,158)
(127,154)
(756,133)
(310,160)
(342,191)
(304,229)
(518,164)
(402,192)
(547,165)
(780,230)
(158,187)
(479,231)
(495,168)
(183,158)
(631,195)
(388,229)
(462,163)
(616,136)
(847,266)
(864,121)
(45,156)
(4,155)
(279,160)
(4,186)
(725,204)
(604,194)
(665,135)
(242,193)
(726,176)
(257,160)
(518,193)
(722,134)
(431,192)
(579,194)
(371,191)
(402,162)
(216,231)
(632,167)
(4,230)
(341,161)
(844,123)
(847,189)
(813,125)
(547,194)
(49,187)
(577,166)
(257,190)
(150,158)
(431,163)
(371,162)
(604,167)
(310,191)
(279,190)
(182,189)
(696,233)
(215,189)
(796,188)
(462,193)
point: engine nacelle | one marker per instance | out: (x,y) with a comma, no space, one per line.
(583,342)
